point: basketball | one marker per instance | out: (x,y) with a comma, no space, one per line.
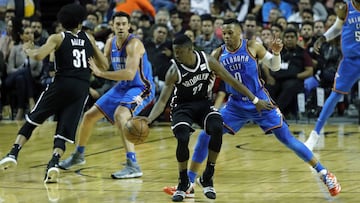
(136,130)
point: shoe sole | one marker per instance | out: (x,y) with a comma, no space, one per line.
(133,175)
(8,163)
(52,175)
(67,168)
(172,190)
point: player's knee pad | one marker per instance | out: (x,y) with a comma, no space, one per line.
(59,143)
(214,125)
(214,128)
(182,133)
(27,129)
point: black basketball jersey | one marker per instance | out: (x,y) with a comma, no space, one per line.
(194,84)
(71,58)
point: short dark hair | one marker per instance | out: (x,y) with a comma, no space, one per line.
(232,21)
(290,30)
(182,40)
(206,17)
(71,15)
(121,14)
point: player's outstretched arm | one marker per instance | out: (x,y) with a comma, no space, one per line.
(52,43)
(170,80)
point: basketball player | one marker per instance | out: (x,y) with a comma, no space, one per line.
(348,25)
(238,110)
(190,80)
(67,95)
(134,91)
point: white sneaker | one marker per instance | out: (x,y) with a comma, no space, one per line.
(8,162)
(312,140)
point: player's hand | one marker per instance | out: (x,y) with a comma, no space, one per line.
(276,45)
(94,67)
(263,105)
(318,44)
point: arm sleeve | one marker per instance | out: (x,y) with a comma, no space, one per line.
(272,61)
(334,30)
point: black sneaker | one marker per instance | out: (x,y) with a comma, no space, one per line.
(52,172)
(181,192)
(208,187)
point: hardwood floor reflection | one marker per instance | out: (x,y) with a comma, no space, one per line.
(252,167)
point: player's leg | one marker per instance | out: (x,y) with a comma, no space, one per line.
(284,135)
(233,122)
(182,134)
(131,169)
(43,109)
(213,127)
(131,103)
(87,124)
(346,77)
(104,106)
(68,118)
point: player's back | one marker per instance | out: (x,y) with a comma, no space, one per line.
(350,37)
(71,58)
(194,84)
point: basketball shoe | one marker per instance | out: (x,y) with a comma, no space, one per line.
(52,171)
(331,182)
(131,170)
(75,158)
(312,140)
(170,190)
(181,190)
(9,161)
(208,187)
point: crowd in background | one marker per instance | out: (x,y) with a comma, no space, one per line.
(156,22)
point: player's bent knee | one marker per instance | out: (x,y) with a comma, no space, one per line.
(214,125)
(182,132)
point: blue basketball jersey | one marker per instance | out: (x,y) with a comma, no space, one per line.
(243,67)
(350,37)
(143,77)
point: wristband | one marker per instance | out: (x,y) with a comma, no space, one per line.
(255,100)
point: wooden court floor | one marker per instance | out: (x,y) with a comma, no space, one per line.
(252,167)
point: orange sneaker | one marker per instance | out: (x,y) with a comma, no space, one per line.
(170,190)
(331,182)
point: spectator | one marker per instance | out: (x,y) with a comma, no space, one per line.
(22,70)
(183,6)
(296,66)
(302,5)
(284,7)
(40,34)
(159,50)
(195,24)
(240,8)
(176,23)
(207,41)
